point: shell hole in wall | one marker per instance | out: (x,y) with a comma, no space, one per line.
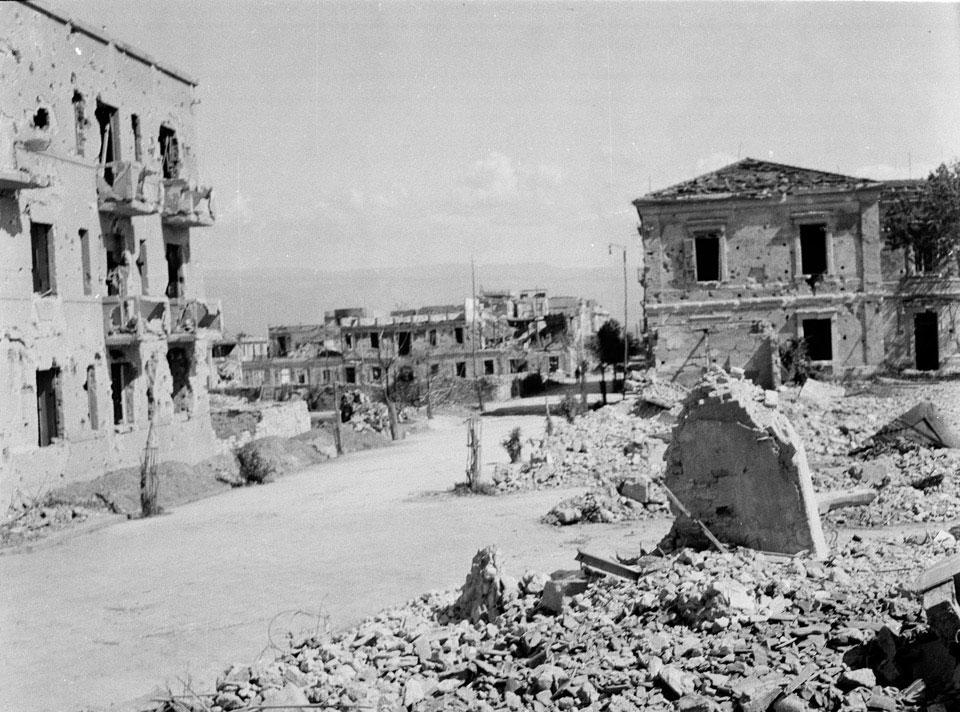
(40,119)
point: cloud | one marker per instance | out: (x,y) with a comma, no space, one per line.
(713,162)
(492,179)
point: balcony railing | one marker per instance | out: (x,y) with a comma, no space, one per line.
(186,205)
(128,319)
(127,188)
(192,316)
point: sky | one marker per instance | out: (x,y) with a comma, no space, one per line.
(347,135)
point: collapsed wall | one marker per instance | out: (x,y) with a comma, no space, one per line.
(739,466)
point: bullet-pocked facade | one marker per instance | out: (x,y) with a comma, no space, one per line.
(105,326)
(742,260)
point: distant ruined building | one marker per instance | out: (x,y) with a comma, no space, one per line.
(512,334)
(741,261)
(104,322)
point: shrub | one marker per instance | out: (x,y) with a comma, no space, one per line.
(570,407)
(513,445)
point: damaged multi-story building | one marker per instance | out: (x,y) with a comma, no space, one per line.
(105,327)
(500,334)
(750,257)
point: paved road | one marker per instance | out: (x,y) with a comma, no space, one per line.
(105,616)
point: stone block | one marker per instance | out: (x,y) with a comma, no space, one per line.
(637,489)
(820,394)
(562,585)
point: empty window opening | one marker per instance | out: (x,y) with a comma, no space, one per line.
(374,340)
(301,376)
(434,369)
(350,374)
(107,120)
(348,340)
(488,367)
(90,386)
(924,259)
(461,367)
(175,260)
(432,336)
(122,378)
(403,343)
(80,121)
(137,139)
(169,152)
(180,362)
(517,365)
(554,363)
(707,248)
(86,262)
(926,341)
(458,334)
(41,256)
(283,345)
(48,417)
(376,373)
(142,268)
(818,337)
(813,249)
(40,119)
(113,248)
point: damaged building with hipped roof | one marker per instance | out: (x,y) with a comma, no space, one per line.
(746,259)
(105,327)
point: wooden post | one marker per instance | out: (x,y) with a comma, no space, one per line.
(337,433)
(429,404)
(149,478)
(473,452)
(392,414)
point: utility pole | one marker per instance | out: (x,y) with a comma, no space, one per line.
(626,341)
(473,333)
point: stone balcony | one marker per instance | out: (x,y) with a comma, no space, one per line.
(13,174)
(127,188)
(129,319)
(187,205)
(193,317)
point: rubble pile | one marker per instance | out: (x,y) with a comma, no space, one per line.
(697,632)
(606,504)
(26,522)
(369,415)
(920,485)
(599,447)
(914,482)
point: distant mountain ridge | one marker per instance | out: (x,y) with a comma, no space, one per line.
(255,298)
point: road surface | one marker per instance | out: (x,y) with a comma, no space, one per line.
(105,616)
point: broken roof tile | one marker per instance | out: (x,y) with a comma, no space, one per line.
(751,178)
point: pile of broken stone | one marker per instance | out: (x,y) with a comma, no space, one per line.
(371,415)
(914,479)
(602,449)
(697,631)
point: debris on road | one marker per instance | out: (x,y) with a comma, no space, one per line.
(703,631)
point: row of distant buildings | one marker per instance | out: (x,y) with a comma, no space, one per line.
(496,334)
